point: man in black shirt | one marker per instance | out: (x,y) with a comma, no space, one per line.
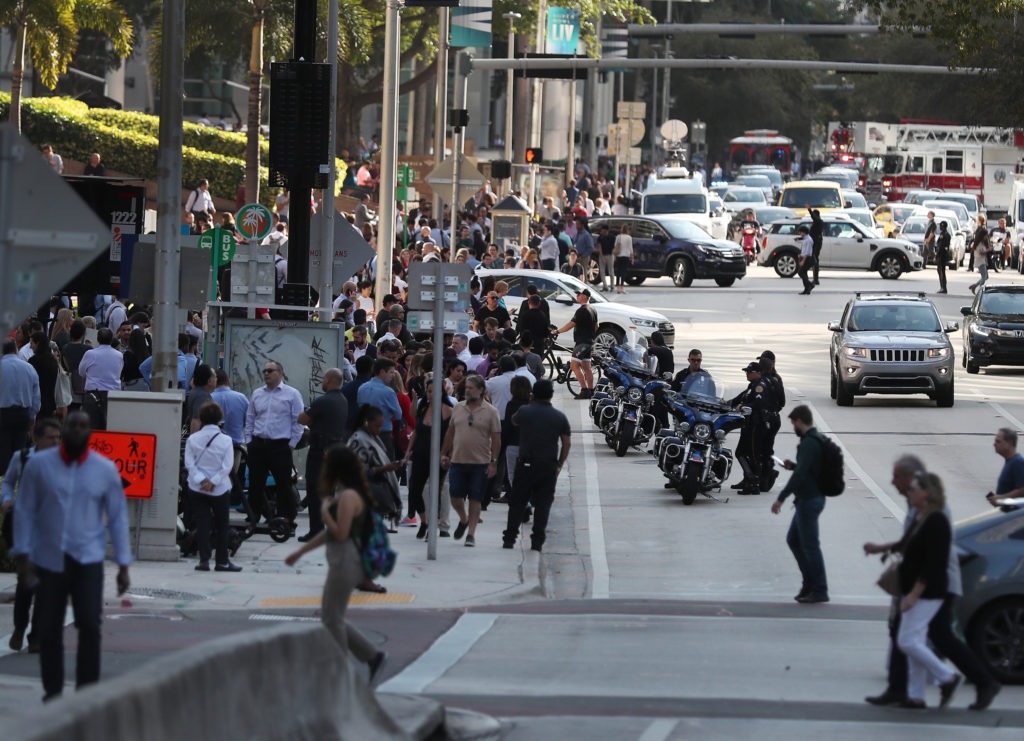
(490,308)
(817,231)
(694,360)
(532,319)
(584,327)
(326,418)
(543,448)
(531,290)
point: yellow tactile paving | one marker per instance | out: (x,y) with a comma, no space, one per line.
(388,598)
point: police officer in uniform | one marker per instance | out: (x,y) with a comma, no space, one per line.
(750,452)
(771,376)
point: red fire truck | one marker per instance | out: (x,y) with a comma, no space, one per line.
(919,155)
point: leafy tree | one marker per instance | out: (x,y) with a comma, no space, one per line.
(49,29)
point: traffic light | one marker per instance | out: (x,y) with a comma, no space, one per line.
(534,155)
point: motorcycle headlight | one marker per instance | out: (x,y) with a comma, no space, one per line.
(855,352)
(635,394)
(938,352)
(702,431)
(981,329)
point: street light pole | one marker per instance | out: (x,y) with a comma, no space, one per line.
(388,151)
(510,82)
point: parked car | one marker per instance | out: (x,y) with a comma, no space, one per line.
(993,331)
(739,197)
(845,244)
(891,344)
(990,547)
(913,230)
(670,245)
(560,290)
(890,215)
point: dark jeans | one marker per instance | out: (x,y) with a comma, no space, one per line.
(946,642)
(534,483)
(275,457)
(314,464)
(548,264)
(84,584)
(14,430)
(622,265)
(802,271)
(940,268)
(211,514)
(802,540)
(418,480)
(94,403)
(817,260)
(24,590)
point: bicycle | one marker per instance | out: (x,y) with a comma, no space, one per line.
(559,370)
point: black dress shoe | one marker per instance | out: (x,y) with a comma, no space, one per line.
(203,566)
(886,699)
(460,529)
(985,697)
(227,567)
(812,598)
(948,689)
(909,704)
(422,532)
(740,485)
(307,537)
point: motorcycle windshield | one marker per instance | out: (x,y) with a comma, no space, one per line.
(700,387)
(632,356)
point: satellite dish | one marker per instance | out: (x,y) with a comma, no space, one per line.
(673,130)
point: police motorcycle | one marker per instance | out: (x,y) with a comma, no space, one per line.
(625,413)
(691,453)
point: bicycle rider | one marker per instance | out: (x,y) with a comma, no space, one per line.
(584,326)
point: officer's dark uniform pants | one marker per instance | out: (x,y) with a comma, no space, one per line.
(534,484)
(747,450)
(14,429)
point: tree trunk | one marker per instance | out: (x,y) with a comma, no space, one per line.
(18,76)
(252,140)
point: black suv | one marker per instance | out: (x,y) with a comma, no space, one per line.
(673,246)
(994,327)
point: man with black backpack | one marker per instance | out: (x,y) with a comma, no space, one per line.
(805,486)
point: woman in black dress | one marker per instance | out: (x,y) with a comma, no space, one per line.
(419,446)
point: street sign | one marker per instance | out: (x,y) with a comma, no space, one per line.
(454,284)
(350,251)
(628,109)
(406,175)
(47,233)
(134,454)
(225,239)
(254,221)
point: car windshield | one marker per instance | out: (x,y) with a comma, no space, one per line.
(862,218)
(817,197)
(957,208)
(893,318)
(744,195)
(681,229)
(1001,302)
(754,181)
(675,203)
(901,212)
(968,202)
(575,286)
(855,199)
(914,226)
(768,215)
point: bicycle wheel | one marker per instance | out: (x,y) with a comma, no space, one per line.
(552,366)
(571,382)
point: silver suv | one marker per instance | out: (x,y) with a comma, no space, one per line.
(891,344)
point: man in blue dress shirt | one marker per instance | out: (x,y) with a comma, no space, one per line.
(272,432)
(235,406)
(19,401)
(377,392)
(68,498)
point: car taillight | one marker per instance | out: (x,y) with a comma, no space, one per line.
(764,242)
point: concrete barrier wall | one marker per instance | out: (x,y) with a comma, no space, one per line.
(286,682)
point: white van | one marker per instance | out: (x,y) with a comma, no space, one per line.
(676,193)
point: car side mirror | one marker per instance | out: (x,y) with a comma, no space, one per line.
(952,327)
(849,204)
(835,327)
(660,238)
(860,239)
(965,310)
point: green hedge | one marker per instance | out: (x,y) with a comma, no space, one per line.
(128,141)
(123,138)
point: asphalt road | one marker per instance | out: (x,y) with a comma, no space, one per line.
(664,621)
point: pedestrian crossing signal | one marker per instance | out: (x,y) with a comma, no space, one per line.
(534,155)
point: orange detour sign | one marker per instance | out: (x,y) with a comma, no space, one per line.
(134,454)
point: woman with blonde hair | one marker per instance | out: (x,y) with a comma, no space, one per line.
(61,330)
(924,583)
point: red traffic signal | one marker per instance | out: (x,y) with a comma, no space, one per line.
(534,155)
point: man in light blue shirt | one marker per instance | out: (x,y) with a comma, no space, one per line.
(235,406)
(377,392)
(19,401)
(186,364)
(68,498)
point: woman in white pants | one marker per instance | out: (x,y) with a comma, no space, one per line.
(924,583)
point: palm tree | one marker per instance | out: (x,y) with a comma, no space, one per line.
(48,30)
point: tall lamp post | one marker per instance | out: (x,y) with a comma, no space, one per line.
(511,17)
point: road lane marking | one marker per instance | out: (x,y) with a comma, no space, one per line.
(450,648)
(1001,411)
(599,584)
(659,730)
(898,511)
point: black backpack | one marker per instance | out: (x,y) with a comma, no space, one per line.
(831,480)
